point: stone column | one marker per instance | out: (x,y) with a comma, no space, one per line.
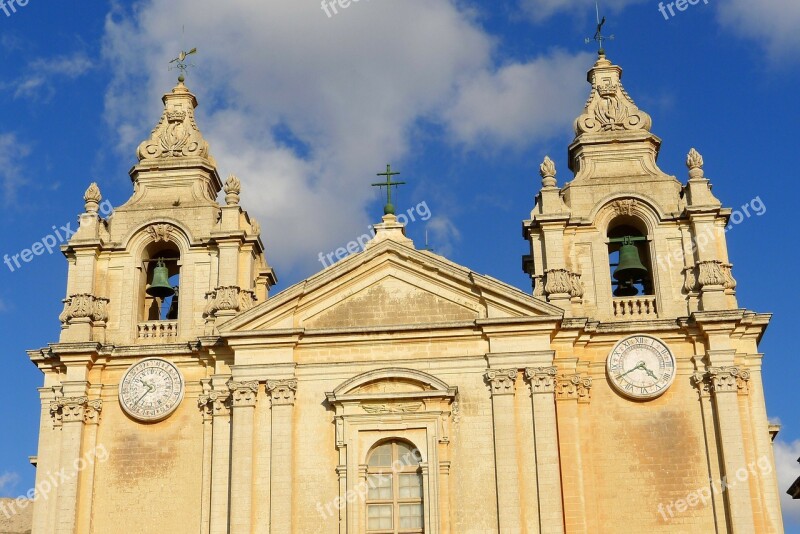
(545,435)
(282,393)
(712,454)
(725,383)
(243,397)
(204,402)
(570,390)
(501,384)
(86,476)
(73,413)
(219,400)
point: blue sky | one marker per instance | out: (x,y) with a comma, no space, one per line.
(465,98)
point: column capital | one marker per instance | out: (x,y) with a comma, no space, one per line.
(214,403)
(542,379)
(501,381)
(282,392)
(76,410)
(701,382)
(573,387)
(730,379)
(243,393)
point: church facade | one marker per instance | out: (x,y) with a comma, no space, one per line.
(397,391)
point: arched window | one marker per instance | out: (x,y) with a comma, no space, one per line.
(161,284)
(629,258)
(394,497)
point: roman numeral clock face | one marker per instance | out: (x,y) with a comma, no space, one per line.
(641,367)
(151,390)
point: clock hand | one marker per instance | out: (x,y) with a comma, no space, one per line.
(638,366)
(649,372)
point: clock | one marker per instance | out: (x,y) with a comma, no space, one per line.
(151,390)
(641,367)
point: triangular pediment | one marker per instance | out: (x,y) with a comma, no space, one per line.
(390,284)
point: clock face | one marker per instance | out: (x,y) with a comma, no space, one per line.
(151,390)
(641,367)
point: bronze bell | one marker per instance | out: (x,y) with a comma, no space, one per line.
(630,266)
(160,286)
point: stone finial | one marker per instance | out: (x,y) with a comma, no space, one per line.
(92,197)
(694,161)
(548,172)
(232,189)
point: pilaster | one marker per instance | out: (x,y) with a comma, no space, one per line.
(282,395)
(570,390)
(243,396)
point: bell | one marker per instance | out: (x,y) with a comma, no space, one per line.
(160,286)
(630,267)
(626,289)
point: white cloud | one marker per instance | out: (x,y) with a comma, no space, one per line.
(12,151)
(786,455)
(38,82)
(540,10)
(349,89)
(8,481)
(772,23)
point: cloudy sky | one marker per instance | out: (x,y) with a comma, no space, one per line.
(464,97)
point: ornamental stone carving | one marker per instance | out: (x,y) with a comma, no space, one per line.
(694,161)
(501,381)
(547,170)
(542,379)
(538,286)
(710,273)
(84,306)
(282,392)
(92,412)
(573,387)
(625,206)
(243,393)
(214,403)
(575,285)
(160,232)
(689,280)
(92,198)
(701,382)
(729,379)
(232,187)
(727,274)
(557,281)
(228,298)
(392,407)
(76,410)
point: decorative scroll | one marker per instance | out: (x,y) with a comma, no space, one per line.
(84,305)
(282,392)
(542,379)
(571,387)
(501,381)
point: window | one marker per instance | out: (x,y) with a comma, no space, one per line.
(161,285)
(629,259)
(394,481)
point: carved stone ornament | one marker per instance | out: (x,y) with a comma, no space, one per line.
(701,382)
(547,170)
(232,189)
(501,381)
(228,298)
(542,379)
(392,407)
(84,305)
(92,198)
(727,274)
(160,232)
(557,281)
(575,285)
(625,206)
(538,286)
(255,226)
(176,135)
(694,161)
(711,273)
(610,108)
(571,387)
(729,379)
(214,403)
(282,391)
(243,393)
(690,280)
(76,409)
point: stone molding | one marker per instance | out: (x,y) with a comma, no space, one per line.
(541,379)
(84,306)
(243,393)
(501,381)
(574,387)
(282,392)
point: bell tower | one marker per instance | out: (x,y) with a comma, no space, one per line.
(623,240)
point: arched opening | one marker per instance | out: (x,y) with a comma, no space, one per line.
(394,496)
(161,286)
(629,258)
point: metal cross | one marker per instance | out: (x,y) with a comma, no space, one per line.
(388,209)
(598,35)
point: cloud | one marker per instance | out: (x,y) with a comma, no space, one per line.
(38,83)
(8,481)
(307,122)
(786,455)
(540,10)
(772,24)
(12,151)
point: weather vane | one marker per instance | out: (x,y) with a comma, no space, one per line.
(598,35)
(181,65)
(388,209)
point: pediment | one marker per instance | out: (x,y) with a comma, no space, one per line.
(390,285)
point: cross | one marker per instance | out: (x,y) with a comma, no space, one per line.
(598,35)
(388,209)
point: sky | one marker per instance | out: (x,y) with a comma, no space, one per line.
(464,97)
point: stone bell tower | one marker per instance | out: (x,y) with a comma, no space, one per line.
(213,266)
(619,192)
